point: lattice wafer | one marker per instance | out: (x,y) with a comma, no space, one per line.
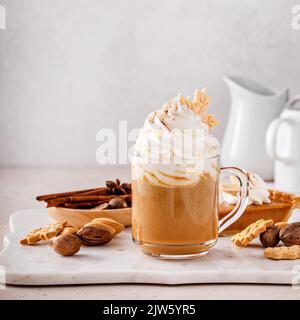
(251,232)
(281,225)
(68,230)
(46,233)
(283,253)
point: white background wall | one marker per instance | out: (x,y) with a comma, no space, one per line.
(71,67)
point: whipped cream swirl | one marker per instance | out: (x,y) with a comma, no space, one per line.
(258,191)
(175,140)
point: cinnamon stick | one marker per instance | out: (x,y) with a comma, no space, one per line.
(97,198)
(100,192)
(81,199)
(47,197)
(82,205)
(59,202)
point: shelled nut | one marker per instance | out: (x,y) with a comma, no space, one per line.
(290,235)
(117,203)
(66,245)
(270,238)
(95,235)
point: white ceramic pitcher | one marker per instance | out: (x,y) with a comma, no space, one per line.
(283,145)
(253,107)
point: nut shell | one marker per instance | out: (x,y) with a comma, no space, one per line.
(290,235)
(117,203)
(270,238)
(94,235)
(116,226)
(103,206)
(66,245)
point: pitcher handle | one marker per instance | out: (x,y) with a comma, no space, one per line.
(271,139)
(241,205)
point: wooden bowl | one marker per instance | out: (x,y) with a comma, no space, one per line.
(79,217)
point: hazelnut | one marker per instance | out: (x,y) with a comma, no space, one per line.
(94,235)
(270,237)
(66,245)
(290,235)
(117,203)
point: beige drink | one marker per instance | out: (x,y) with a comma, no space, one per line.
(180,220)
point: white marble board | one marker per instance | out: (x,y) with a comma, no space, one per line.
(120,261)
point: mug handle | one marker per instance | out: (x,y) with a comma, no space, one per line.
(241,205)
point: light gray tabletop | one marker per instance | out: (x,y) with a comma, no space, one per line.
(18,190)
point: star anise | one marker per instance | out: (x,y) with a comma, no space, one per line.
(116,187)
(126,186)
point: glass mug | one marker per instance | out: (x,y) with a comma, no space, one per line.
(175,216)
